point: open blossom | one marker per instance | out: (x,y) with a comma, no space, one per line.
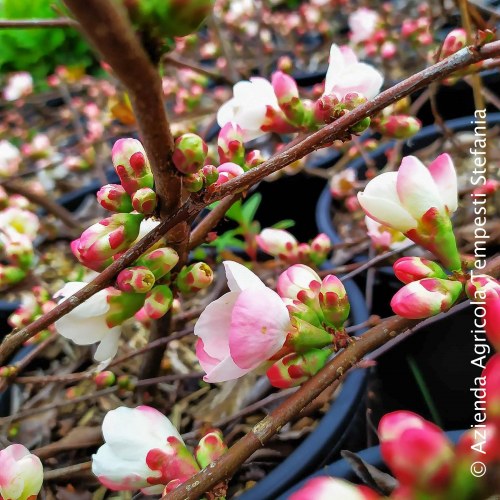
(249,107)
(86,324)
(242,329)
(18,85)
(20,220)
(331,488)
(346,75)
(417,201)
(362,23)
(10,159)
(142,450)
(21,473)
(342,184)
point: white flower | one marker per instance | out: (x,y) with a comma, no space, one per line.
(23,221)
(86,323)
(248,106)
(10,159)
(142,450)
(362,23)
(18,85)
(346,74)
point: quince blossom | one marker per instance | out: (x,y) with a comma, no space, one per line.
(10,159)
(21,473)
(242,329)
(362,23)
(18,85)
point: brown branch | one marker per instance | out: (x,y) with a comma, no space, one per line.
(227,465)
(184,64)
(65,473)
(338,128)
(18,187)
(37,23)
(210,221)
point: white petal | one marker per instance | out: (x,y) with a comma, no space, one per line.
(226,112)
(239,277)
(109,345)
(82,331)
(224,371)
(387,212)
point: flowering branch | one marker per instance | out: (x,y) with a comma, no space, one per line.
(315,141)
(228,463)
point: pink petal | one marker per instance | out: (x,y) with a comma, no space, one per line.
(239,277)
(259,325)
(444,175)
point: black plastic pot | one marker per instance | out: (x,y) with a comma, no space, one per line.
(332,431)
(438,357)
(343,470)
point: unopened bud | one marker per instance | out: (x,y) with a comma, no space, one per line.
(454,41)
(254,158)
(193,182)
(158,301)
(194,278)
(210,175)
(230,144)
(398,126)
(408,269)
(104,379)
(137,279)
(210,448)
(10,275)
(333,301)
(190,153)
(144,200)
(159,261)
(114,198)
(122,306)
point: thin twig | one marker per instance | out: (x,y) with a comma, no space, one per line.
(37,23)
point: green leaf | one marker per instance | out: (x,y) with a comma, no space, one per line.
(284,224)
(250,207)
(235,212)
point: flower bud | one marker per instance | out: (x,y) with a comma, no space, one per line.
(114,198)
(194,278)
(21,473)
(388,50)
(210,448)
(254,158)
(228,171)
(277,242)
(304,336)
(230,144)
(409,269)
(360,126)
(398,126)
(323,487)
(210,174)
(18,249)
(104,379)
(289,101)
(137,279)
(299,282)
(190,153)
(294,369)
(320,248)
(107,238)
(122,306)
(417,451)
(324,108)
(454,41)
(285,64)
(193,182)
(144,200)
(132,165)
(159,261)
(492,389)
(333,301)
(158,301)
(425,298)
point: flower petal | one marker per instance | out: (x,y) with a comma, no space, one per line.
(387,212)
(416,188)
(108,346)
(239,277)
(444,175)
(259,326)
(82,331)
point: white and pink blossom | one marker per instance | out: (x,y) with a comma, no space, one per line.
(18,85)
(10,159)
(242,329)
(362,24)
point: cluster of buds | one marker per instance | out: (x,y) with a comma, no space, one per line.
(329,108)
(33,306)
(19,229)
(318,310)
(143,450)
(282,244)
(397,126)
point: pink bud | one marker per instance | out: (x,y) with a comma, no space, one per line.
(425,298)
(398,126)
(489,187)
(137,279)
(228,171)
(189,153)
(210,175)
(294,369)
(299,282)
(104,379)
(331,488)
(417,451)
(254,158)
(144,201)
(159,261)
(478,445)
(285,87)
(408,269)
(210,448)
(194,278)
(132,165)
(230,144)
(334,301)
(113,197)
(388,50)
(454,41)
(277,242)
(158,301)
(321,244)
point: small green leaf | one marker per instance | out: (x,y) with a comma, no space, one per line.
(250,207)
(284,224)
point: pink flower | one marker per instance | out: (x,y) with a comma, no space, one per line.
(21,473)
(417,451)
(346,75)
(417,201)
(426,297)
(342,184)
(142,450)
(10,159)
(18,85)
(331,488)
(362,23)
(242,329)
